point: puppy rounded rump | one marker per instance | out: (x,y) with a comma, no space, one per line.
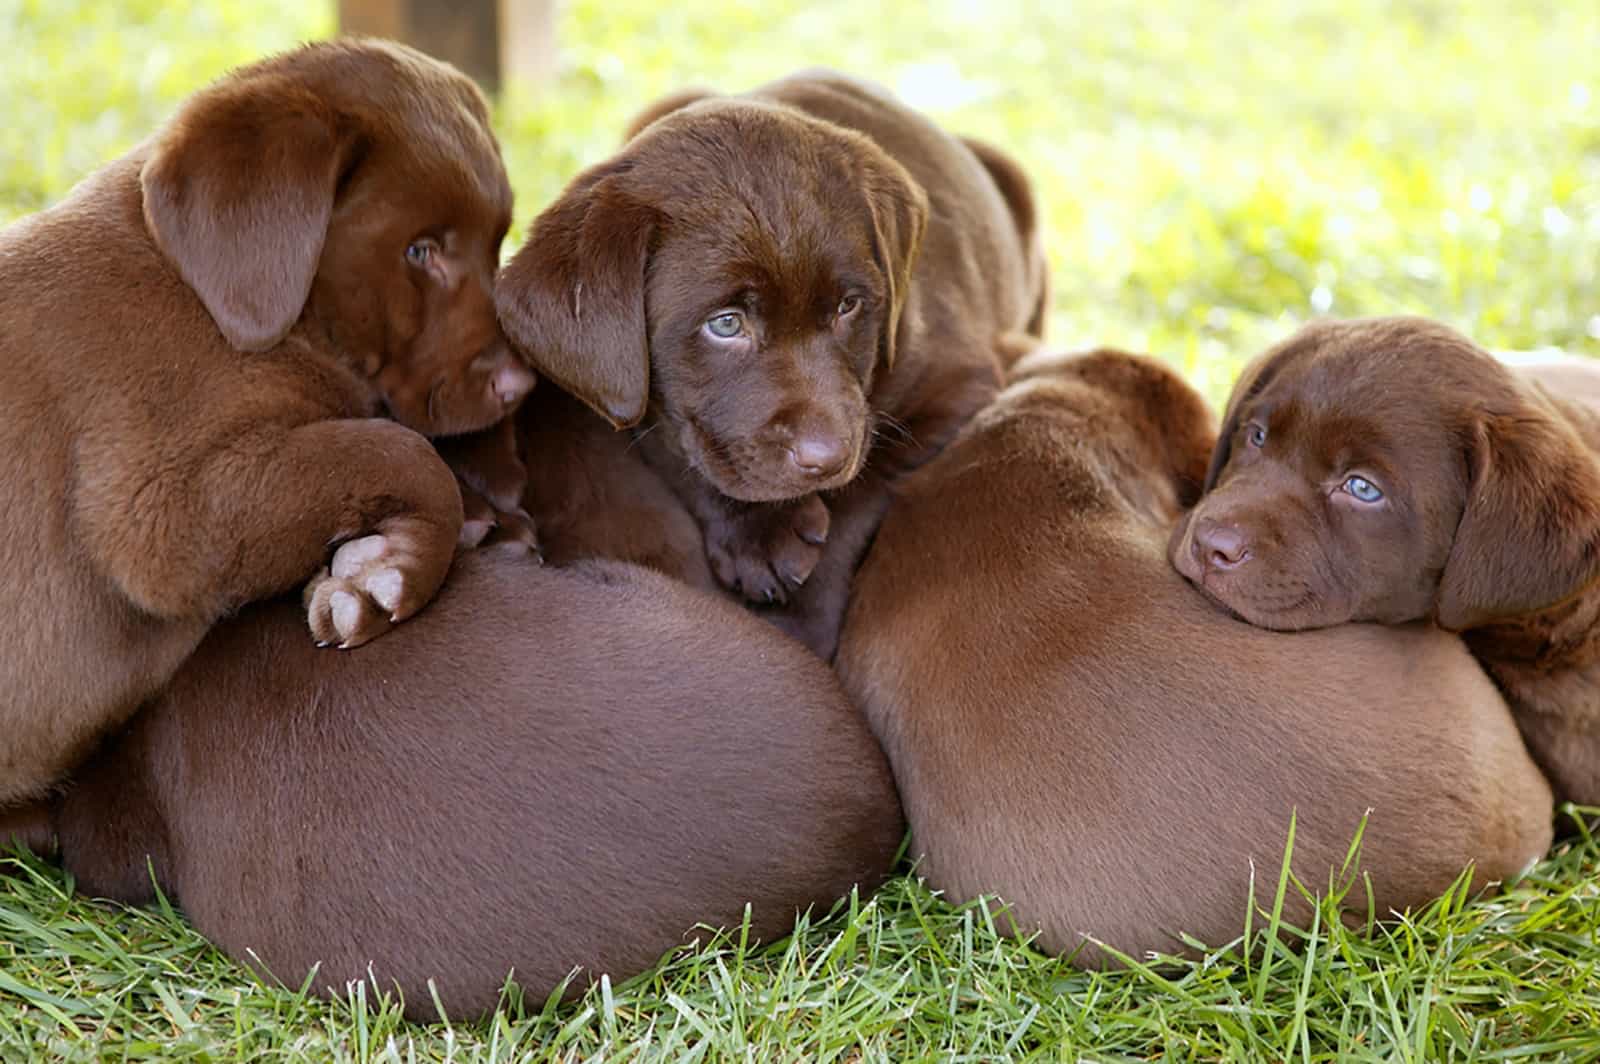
(547,770)
(1076,730)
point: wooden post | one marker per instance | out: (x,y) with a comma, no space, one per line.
(492,41)
(527,41)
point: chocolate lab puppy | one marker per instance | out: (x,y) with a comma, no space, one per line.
(1390,470)
(1075,729)
(794,295)
(195,348)
(545,770)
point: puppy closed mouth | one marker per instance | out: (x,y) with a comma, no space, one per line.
(745,472)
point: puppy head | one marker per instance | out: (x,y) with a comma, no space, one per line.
(740,270)
(355,183)
(1130,416)
(1390,470)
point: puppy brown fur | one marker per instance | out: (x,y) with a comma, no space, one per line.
(545,770)
(1073,728)
(193,349)
(783,289)
(1390,470)
(558,479)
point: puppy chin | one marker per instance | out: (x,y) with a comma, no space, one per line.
(1304,615)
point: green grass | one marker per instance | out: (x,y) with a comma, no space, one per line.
(1211,174)
(899,976)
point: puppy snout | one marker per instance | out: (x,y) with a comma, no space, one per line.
(1220,546)
(511,381)
(819,454)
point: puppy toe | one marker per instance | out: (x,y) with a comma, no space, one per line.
(346,609)
(760,584)
(515,526)
(793,572)
(387,588)
(794,559)
(811,520)
(474,530)
(722,565)
(319,613)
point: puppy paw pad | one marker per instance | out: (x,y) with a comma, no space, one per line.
(346,610)
(357,554)
(387,587)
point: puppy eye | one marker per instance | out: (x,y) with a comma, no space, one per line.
(848,306)
(420,252)
(725,326)
(1362,489)
(1255,434)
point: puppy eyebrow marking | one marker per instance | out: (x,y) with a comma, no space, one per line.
(577,301)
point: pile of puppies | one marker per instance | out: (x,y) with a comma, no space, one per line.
(817,317)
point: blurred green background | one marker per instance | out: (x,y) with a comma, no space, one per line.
(1212,173)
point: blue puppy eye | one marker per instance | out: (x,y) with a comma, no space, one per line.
(1363,489)
(1255,434)
(725,326)
(418,252)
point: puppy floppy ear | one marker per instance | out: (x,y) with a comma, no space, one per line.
(572,299)
(1529,536)
(238,191)
(1251,380)
(899,210)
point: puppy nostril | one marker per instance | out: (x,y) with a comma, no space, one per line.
(1221,546)
(819,456)
(511,382)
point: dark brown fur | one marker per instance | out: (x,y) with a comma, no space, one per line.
(560,480)
(194,346)
(545,770)
(1489,521)
(1073,728)
(872,263)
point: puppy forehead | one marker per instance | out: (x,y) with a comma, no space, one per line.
(1330,437)
(453,162)
(1377,408)
(796,177)
(729,247)
(428,121)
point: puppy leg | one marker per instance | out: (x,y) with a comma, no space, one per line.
(815,613)
(31,827)
(492,478)
(110,832)
(762,550)
(1566,746)
(256,516)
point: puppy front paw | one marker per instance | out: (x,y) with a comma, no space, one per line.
(486,524)
(372,584)
(765,552)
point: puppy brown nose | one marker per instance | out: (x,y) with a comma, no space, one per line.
(819,455)
(1219,546)
(512,382)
